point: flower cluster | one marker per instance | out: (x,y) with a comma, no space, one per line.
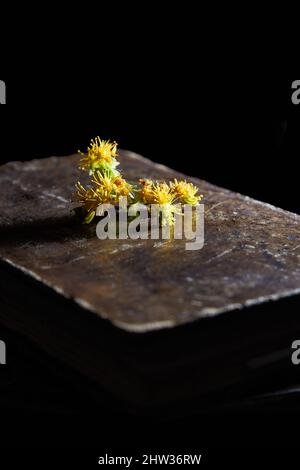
(100,155)
(107,185)
(169,196)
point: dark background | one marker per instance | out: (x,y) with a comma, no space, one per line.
(237,132)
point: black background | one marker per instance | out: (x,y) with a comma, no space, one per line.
(232,129)
(240,133)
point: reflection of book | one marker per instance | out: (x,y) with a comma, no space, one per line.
(149,321)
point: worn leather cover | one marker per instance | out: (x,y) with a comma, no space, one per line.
(146,319)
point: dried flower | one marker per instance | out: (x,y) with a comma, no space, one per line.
(162,195)
(104,190)
(185,192)
(123,188)
(145,193)
(107,186)
(89,201)
(101,155)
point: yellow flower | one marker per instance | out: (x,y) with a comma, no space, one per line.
(162,194)
(103,182)
(107,185)
(122,187)
(116,186)
(104,190)
(101,155)
(87,200)
(145,193)
(91,198)
(185,192)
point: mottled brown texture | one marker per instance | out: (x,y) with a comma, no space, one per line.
(251,252)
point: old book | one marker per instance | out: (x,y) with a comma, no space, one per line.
(149,322)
